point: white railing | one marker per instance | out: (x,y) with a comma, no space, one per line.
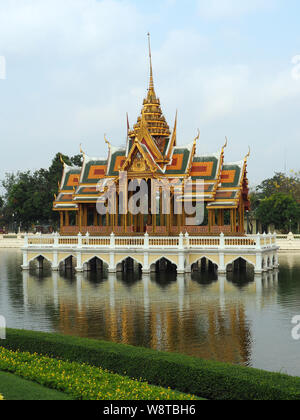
(56,241)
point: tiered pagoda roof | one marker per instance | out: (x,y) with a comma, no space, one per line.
(152,152)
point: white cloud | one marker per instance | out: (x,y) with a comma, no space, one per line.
(68,26)
(218,9)
(75,67)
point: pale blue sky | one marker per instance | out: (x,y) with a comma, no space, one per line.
(75,67)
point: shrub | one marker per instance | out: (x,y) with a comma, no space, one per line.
(207,379)
(81,381)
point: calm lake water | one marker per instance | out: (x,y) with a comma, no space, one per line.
(240,319)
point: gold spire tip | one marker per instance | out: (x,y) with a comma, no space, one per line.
(81,151)
(198,136)
(248,154)
(151,86)
(226,143)
(107,142)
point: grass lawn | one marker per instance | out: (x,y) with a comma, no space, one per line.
(14,388)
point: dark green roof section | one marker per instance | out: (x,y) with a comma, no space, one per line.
(166,146)
(186,156)
(232,167)
(86,190)
(70,172)
(112,164)
(102,163)
(207,159)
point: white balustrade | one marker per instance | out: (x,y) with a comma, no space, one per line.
(181,242)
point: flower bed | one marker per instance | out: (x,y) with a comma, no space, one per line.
(81,381)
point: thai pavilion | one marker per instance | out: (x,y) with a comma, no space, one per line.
(153,152)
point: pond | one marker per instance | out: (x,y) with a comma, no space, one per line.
(238,318)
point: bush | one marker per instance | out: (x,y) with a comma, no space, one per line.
(207,379)
(81,381)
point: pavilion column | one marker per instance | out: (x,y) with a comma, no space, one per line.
(233,220)
(221,217)
(61,219)
(95,217)
(209,220)
(241,219)
(154,223)
(162,223)
(80,217)
(67,218)
(171,215)
(85,215)
(183,218)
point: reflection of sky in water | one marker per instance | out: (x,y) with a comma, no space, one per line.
(239,319)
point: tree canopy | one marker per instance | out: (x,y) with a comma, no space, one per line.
(28,197)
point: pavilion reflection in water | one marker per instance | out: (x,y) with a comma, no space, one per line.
(200,318)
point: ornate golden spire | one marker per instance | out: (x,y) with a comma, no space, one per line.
(151,85)
(156,122)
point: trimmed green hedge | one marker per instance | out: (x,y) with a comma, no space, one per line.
(190,375)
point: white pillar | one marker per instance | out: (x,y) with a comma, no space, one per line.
(258,266)
(112,268)
(79,241)
(258,242)
(56,240)
(79,267)
(222,268)
(181,290)
(25,265)
(55,289)
(55,266)
(146,268)
(187,240)
(181,267)
(181,241)
(111,280)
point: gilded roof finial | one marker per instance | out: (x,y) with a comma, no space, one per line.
(107,142)
(248,154)
(226,143)
(61,159)
(198,137)
(81,151)
(151,86)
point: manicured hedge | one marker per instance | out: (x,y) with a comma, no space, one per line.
(190,375)
(79,380)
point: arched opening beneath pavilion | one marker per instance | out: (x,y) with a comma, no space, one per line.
(96,265)
(163,265)
(204,265)
(40,263)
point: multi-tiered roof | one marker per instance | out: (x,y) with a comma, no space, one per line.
(152,152)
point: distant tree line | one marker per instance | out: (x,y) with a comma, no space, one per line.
(28,198)
(276,201)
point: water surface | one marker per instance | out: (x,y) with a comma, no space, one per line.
(242,319)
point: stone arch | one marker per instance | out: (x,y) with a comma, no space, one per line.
(167,257)
(63,258)
(37,256)
(169,264)
(86,258)
(95,264)
(128,259)
(242,258)
(205,258)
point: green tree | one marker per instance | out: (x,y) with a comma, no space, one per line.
(279,209)
(29,196)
